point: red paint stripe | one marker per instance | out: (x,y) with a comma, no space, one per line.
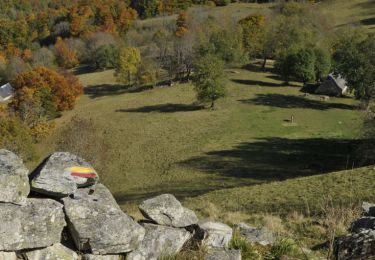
(84,175)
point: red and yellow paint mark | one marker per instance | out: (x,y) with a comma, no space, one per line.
(83,172)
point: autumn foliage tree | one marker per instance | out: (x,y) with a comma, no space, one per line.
(181,25)
(66,57)
(42,93)
(128,64)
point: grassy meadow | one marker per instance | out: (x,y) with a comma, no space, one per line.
(160,141)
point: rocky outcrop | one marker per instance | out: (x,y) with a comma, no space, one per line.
(261,236)
(160,241)
(360,244)
(55,252)
(215,234)
(37,224)
(98,225)
(14,180)
(61,174)
(224,255)
(167,210)
(8,256)
(357,246)
(368,209)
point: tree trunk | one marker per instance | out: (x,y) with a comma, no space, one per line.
(212,104)
(264,63)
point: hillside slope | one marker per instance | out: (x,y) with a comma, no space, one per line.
(306,194)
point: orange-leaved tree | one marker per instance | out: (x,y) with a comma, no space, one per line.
(42,93)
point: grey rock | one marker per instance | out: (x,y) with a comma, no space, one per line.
(98,225)
(260,236)
(167,210)
(368,209)
(55,252)
(160,241)
(357,246)
(8,256)
(14,180)
(224,255)
(37,224)
(101,257)
(215,234)
(56,177)
(363,223)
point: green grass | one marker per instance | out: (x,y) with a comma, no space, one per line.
(308,195)
(159,142)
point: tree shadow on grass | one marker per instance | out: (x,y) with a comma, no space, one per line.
(96,91)
(257,83)
(271,159)
(291,101)
(163,108)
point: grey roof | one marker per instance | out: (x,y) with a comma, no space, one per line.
(338,80)
(6,92)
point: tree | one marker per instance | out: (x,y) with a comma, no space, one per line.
(44,57)
(253,34)
(145,8)
(42,93)
(224,45)
(181,25)
(210,79)
(322,63)
(300,65)
(354,59)
(66,57)
(127,67)
(106,56)
(304,65)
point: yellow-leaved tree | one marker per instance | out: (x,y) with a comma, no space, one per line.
(128,64)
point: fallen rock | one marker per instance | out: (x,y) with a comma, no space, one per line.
(101,257)
(368,209)
(363,223)
(260,236)
(61,174)
(356,246)
(160,241)
(37,224)
(215,234)
(55,252)
(14,180)
(224,255)
(8,256)
(98,225)
(167,210)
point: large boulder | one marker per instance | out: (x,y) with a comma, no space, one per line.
(8,256)
(255,235)
(37,224)
(98,225)
(160,241)
(167,210)
(55,252)
(363,223)
(101,257)
(224,255)
(14,180)
(214,234)
(61,174)
(356,246)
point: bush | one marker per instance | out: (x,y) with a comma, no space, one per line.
(15,136)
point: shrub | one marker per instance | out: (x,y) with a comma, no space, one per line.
(15,136)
